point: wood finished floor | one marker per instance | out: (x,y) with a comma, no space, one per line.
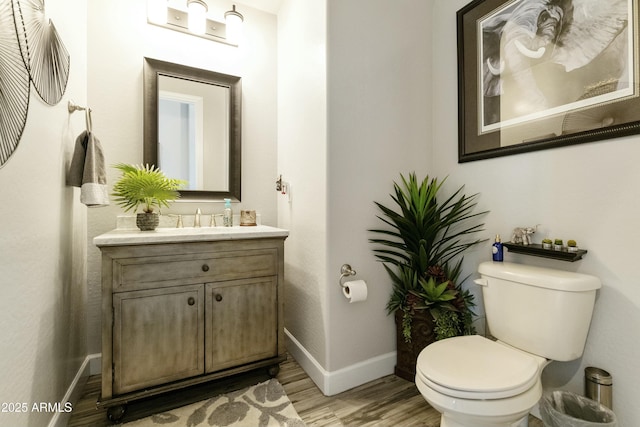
(387,402)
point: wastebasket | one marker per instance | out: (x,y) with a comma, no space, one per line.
(598,386)
(565,409)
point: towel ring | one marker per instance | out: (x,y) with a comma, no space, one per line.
(346,271)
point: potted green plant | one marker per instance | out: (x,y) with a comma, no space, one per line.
(546,243)
(572,246)
(426,233)
(557,244)
(145,186)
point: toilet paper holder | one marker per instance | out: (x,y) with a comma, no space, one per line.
(346,271)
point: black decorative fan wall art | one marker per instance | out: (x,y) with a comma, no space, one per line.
(30,51)
(43,52)
(14,85)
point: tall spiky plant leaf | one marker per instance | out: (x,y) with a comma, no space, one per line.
(424,232)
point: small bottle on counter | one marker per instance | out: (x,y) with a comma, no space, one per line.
(227,218)
(498,254)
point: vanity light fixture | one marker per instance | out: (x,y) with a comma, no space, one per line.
(193,20)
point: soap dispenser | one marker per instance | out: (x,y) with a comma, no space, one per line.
(227,218)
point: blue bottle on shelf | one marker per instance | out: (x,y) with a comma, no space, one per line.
(498,254)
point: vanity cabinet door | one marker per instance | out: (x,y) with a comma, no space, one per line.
(158,336)
(241,322)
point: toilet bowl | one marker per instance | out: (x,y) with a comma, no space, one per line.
(537,315)
(475,382)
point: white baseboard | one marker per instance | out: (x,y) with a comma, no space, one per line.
(95,364)
(331,383)
(61,419)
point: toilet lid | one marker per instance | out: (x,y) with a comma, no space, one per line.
(471,365)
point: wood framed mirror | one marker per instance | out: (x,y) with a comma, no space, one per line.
(192,128)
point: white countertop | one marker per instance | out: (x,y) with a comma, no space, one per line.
(121,237)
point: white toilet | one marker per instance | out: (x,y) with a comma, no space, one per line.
(537,315)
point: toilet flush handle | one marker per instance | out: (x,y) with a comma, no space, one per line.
(481,281)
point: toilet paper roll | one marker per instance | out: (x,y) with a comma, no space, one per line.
(355,290)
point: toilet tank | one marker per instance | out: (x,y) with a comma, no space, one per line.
(542,311)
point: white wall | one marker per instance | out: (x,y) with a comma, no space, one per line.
(118,42)
(343,138)
(587,192)
(42,249)
(302,161)
(379,102)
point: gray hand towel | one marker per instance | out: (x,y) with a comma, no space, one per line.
(88,171)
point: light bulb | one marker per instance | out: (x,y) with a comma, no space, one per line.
(234,26)
(197,16)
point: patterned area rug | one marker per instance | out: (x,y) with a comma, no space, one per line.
(262,405)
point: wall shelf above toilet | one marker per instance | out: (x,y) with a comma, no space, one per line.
(537,250)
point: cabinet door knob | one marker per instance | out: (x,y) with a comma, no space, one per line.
(218,297)
(191,301)
(205,267)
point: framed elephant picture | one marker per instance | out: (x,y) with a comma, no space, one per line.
(537,74)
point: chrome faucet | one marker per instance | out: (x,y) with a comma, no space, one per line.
(196,219)
(179,222)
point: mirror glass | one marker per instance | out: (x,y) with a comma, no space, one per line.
(192,128)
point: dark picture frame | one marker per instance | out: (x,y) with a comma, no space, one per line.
(538,74)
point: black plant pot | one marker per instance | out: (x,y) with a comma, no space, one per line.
(147,221)
(422,334)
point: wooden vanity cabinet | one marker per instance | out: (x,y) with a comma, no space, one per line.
(158,336)
(179,314)
(241,319)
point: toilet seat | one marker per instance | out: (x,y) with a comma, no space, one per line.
(474,367)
